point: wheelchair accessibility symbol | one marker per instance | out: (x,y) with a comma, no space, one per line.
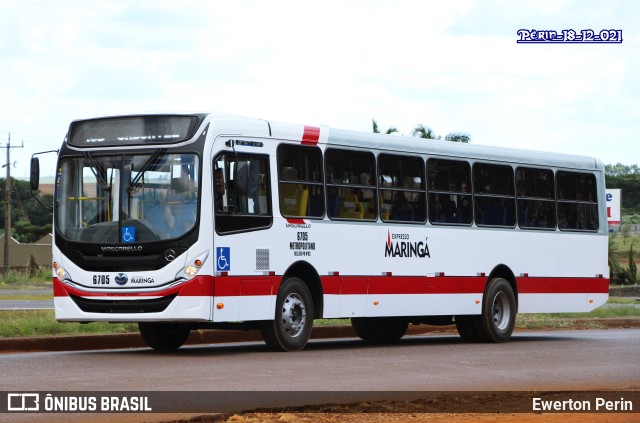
(224,258)
(128,234)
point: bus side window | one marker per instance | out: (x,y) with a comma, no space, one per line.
(301,191)
(577,204)
(494,195)
(402,188)
(535,198)
(449,192)
(242,199)
(351,185)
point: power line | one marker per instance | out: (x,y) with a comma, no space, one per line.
(35,139)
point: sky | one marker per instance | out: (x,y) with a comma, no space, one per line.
(451,66)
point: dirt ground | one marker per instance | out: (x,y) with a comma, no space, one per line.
(421,417)
(428,410)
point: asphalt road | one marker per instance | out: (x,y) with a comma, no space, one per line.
(540,360)
(26,304)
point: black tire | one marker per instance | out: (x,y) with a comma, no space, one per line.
(466,326)
(291,328)
(164,336)
(498,312)
(380,329)
(361,327)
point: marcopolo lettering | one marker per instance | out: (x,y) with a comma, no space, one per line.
(406,248)
(121,248)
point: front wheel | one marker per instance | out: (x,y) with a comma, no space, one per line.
(291,328)
(498,312)
(164,336)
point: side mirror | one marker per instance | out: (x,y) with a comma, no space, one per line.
(34,177)
(34,180)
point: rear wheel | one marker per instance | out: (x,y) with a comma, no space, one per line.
(382,329)
(164,336)
(498,312)
(291,328)
(361,327)
(466,326)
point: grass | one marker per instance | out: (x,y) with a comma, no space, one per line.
(21,280)
(26,297)
(621,300)
(17,323)
(560,320)
(20,323)
(622,246)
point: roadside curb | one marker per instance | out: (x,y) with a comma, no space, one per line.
(199,337)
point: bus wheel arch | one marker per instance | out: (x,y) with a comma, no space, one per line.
(504,272)
(308,274)
(291,326)
(499,308)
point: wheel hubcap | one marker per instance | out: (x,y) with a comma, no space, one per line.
(294,315)
(501,311)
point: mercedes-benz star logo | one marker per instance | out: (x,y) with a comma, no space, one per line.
(169,255)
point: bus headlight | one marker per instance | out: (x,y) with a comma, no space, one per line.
(191,271)
(61,273)
(193,267)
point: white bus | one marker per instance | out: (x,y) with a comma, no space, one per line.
(181,222)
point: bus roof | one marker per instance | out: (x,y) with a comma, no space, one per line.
(407,144)
(225,123)
(453,150)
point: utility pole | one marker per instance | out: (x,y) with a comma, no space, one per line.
(7,204)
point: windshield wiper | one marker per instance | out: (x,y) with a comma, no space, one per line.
(97,171)
(135,182)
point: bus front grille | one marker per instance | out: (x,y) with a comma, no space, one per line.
(155,305)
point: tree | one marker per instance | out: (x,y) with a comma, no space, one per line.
(616,272)
(26,232)
(458,137)
(630,186)
(619,169)
(632,269)
(422,131)
(30,221)
(376,129)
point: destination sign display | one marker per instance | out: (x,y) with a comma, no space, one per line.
(132,130)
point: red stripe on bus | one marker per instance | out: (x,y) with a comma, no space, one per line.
(240,286)
(311,135)
(358,285)
(533,285)
(235,286)
(59,288)
(197,287)
(296,221)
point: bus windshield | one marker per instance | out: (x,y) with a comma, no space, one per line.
(120,199)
